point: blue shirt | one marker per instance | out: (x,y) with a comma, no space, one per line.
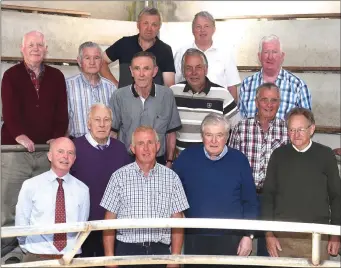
(219,156)
(36,206)
(81,95)
(294,93)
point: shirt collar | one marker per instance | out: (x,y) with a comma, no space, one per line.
(151,172)
(220,156)
(86,81)
(52,176)
(212,47)
(279,76)
(206,89)
(258,122)
(136,95)
(157,40)
(28,69)
(92,141)
(305,149)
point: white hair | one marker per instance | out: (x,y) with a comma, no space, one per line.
(269,38)
(31,32)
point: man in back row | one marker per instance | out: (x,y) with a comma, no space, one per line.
(123,50)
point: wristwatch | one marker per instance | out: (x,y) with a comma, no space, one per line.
(171,161)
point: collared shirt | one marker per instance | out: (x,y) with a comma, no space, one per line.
(305,149)
(158,111)
(294,93)
(221,155)
(36,206)
(81,96)
(222,68)
(94,143)
(193,107)
(249,138)
(36,80)
(132,195)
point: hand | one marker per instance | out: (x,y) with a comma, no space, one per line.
(245,246)
(49,141)
(169,164)
(26,142)
(337,151)
(333,245)
(173,265)
(113,134)
(272,244)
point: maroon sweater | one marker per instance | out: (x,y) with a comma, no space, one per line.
(40,117)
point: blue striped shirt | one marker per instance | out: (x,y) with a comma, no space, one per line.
(294,93)
(81,96)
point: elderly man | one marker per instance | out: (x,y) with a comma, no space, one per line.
(34,106)
(219,186)
(99,156)
(222,68)
(123,50)
(86,88)
(268,133)
(146,103)
(197,97)
(302,185)
(144,189)
(294,92)
(52,197)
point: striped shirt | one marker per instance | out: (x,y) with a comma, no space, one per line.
(294,93)
(193,107)
(132,195)
(249,138)
(81,96)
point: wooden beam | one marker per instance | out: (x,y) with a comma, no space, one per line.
(284,16)
(54,11)
(316,249)
(295,69)
(328,130)
(47,60)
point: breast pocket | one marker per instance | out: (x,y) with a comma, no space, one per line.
(161,124)
(162,204)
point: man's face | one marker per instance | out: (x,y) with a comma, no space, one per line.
(214,139)
(195,71)
(91,61)
(267,103)
(143,71)
(300,131)
(271,57)
(62,155)
(99,124)
(148,26)
(203,30)
(34,48)
(146,146)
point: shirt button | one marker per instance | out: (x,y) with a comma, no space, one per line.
(37,106)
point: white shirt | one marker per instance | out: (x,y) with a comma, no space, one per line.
(222,69)
(94,143)
(36,206)
(303,150)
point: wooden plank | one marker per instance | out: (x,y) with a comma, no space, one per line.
(73,13)
(285,16)
(47,60)
(328,129)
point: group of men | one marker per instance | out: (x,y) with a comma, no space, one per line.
(149,148)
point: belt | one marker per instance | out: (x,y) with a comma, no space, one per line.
(52,256)
(259,190)
(145,244)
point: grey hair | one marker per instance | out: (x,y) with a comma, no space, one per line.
(149,11)
(269,38)
(143,129)
(31,32)
(193,52)
(85,45)
(300,111)
(203,14)
(144,54)
(215,119)
(98,105)
(267,86)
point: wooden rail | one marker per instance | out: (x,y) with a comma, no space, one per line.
(328,129)
(284,16)
(47,60)
(42,10)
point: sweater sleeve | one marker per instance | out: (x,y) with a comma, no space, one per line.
(61,118)
(10,107)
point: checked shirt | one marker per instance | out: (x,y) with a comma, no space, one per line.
(131,195)
(249,138)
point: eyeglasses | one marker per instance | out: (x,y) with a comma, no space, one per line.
(266,101)
(298,130)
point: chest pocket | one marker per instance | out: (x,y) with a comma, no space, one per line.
(161,204)
(161,124)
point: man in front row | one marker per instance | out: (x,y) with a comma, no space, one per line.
(144,189)
(219,186)
(302,184)
(52,197)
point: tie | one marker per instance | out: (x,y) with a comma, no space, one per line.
(102,147)
(59,240)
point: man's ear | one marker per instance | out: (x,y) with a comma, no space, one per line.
(132,148)
(49,156)
(155,70)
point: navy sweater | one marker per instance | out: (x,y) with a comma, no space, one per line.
(217,189)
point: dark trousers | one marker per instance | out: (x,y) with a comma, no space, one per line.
(93,245)
(211,245)
(160,159)
(128,249)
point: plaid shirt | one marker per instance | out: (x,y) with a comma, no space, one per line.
(36,80)
(131,195)
(294,93)
(249,138)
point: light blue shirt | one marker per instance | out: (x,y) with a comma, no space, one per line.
(94,143)
(81,95)
(221,155)
(36,206)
